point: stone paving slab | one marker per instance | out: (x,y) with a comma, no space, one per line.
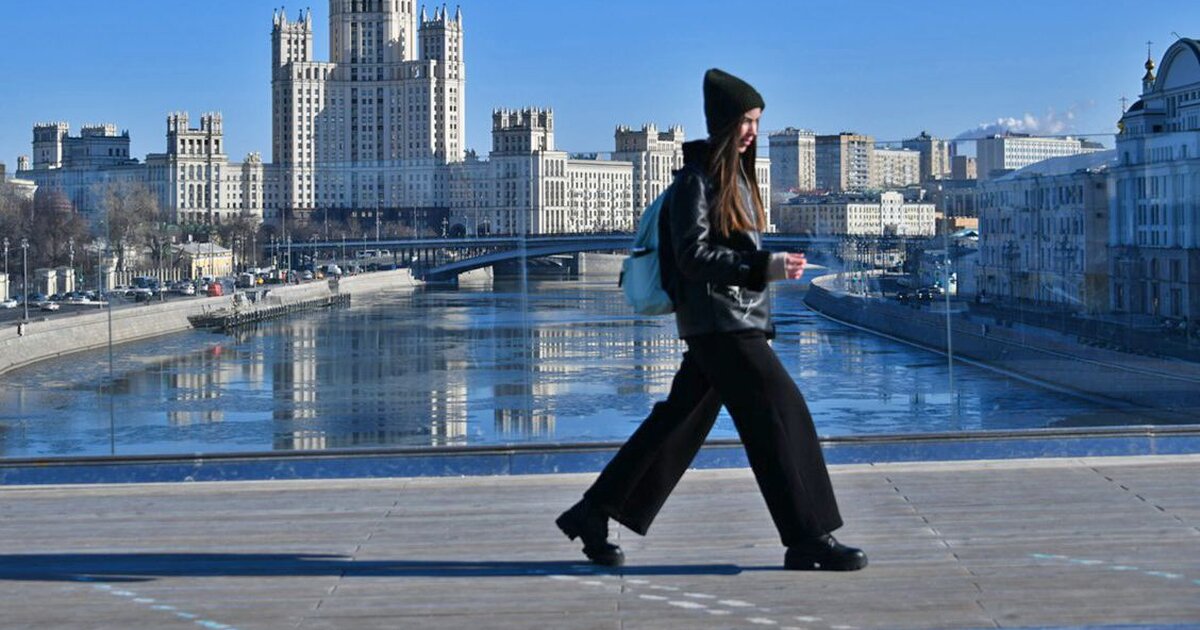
(1027,543)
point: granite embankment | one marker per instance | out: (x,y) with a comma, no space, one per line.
(1157,388)
(50,337)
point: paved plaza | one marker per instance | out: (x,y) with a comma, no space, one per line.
(1021,543)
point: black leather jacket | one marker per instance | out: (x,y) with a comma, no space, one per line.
(718,284)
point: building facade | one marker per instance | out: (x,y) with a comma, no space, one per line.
(96,146)
(762,171)
(793,154)
(528,186)
(1155,193)
(895,168)
(203,259)
(935,155)
(377,125)
(844,162)
(655,156)
(1043,234)
(999,154)
(193,181)
(839,215)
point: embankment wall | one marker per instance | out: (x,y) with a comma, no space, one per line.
(50,337)
(1161,389)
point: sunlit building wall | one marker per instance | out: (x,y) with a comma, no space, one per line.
(895,168)
(193,181)
(889,214)
(655,156)
(1155,193)
(935,156)
(998,154)
(844,162)
(377,124)
(793,154)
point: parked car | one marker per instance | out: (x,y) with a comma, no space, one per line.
(929,293)
(245,280)
(49,306)
(9,303)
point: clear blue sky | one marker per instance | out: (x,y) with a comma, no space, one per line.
(883,67)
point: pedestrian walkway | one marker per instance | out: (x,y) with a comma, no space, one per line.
(1062,543)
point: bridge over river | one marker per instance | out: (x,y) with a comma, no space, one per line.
(445,258)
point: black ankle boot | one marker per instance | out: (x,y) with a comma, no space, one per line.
(824,553)
(586,522)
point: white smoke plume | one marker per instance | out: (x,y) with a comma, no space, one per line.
(1051,124)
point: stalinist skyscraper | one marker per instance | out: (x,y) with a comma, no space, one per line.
(376,125)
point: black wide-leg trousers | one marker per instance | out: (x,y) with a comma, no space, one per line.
(741,371)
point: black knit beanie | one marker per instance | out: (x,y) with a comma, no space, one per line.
(726,98)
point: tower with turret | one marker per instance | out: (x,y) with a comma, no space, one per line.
(522,131)
(376,126)
(48,144)
(655,156)
(291,42)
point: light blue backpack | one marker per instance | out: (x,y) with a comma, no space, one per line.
(641,273)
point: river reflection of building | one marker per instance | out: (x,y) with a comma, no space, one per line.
(348,381)
(601,357)
(191,385)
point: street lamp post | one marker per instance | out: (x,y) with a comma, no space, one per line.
(25,276)
(6,263)
(99,263)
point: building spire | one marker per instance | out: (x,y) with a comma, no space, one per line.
(1148,79)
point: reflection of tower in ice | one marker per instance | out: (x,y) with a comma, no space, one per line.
(448,404)
(558,369)
(409,381)
(294,373)
(653,358)
(195,382)
(514,399)
(373,384)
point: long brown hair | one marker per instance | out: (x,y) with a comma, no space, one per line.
(725,165)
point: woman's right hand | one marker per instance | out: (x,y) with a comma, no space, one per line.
(794,265)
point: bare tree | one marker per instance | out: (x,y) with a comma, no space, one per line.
(15,214)
(134,219)
(54,227)
(238,234)
(49,221)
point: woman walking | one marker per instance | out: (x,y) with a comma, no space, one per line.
(716,273)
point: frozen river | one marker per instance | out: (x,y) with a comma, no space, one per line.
(560,362)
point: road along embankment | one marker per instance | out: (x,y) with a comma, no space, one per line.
(50,337)
(1161,390)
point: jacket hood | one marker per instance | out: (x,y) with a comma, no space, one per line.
(695,153)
